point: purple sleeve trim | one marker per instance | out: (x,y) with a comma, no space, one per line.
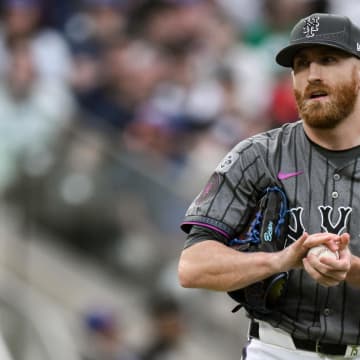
(207,226)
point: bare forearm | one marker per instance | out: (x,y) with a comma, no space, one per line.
(211,265)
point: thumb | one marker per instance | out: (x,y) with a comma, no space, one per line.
(302,238)
(299,243)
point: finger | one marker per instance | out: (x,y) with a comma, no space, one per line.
(292,255)
(300,241)
(298,246)
(328,267)
(345,254)
(321,278)
(345,259)
(321,238)
(344,241)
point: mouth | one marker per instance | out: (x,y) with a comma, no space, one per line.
(317,95)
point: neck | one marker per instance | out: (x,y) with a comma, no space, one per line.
(345,136)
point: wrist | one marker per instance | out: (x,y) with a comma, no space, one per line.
(276,262)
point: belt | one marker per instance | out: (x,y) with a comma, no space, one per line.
(307,345)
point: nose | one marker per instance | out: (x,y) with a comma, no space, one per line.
(314,74)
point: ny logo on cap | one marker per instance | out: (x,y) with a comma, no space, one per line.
(311,26)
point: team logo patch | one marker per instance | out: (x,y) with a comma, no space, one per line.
(209,190)
(227,162)
(311,26)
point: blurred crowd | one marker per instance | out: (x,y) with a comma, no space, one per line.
(113,113)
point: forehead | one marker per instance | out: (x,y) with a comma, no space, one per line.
(320,50)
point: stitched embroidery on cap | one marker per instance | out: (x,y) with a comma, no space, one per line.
(311,26)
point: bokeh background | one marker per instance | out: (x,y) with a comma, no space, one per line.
(113,114)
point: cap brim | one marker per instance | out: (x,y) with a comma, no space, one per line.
(286,56)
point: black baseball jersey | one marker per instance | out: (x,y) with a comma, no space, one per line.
(323,189)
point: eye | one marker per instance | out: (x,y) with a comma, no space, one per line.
(300,64)
(328,59)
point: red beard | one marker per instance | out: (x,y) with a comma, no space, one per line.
(330,113)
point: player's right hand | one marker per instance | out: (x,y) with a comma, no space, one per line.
(292,256)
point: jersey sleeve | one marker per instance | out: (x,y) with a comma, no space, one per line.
(198,234)
(227,202)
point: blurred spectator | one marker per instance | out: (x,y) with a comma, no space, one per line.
(33,111)
(56,13)
(22,19)
(278,16)
(270,32)
(168,329)
(89,31)
(174,25)
(178,29)
(131,69)
(240,66)
(159,135)
(243,13)
(191,98)
(230,92)
(105,338)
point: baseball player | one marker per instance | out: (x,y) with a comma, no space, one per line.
(316,161)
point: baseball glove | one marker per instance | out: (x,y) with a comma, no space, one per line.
(268,233)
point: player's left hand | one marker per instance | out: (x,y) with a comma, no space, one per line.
(328,271)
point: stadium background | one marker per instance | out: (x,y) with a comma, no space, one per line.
(113,113)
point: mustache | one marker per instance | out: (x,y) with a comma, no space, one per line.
(311,88)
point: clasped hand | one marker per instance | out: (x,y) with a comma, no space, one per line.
(328,271)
